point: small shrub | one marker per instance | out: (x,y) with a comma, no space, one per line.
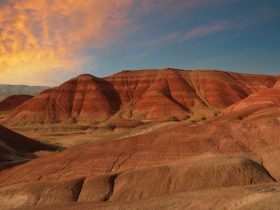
(204,118)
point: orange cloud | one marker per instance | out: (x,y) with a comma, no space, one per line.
(37,37)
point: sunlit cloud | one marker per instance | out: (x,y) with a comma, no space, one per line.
(44,42)
(37,37)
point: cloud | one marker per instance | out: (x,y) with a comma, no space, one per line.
(205,30)
(148,5)
(40,39)
(37,37)
(196,32)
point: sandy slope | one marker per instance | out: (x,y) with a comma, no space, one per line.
(14,146)
(178,158)
(264,196)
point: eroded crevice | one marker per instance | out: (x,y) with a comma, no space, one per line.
(78,189)
(114,163)
(111,188)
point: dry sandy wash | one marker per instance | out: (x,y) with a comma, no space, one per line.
(156,139)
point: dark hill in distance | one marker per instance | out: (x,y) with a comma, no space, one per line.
(8,90)
(11,102)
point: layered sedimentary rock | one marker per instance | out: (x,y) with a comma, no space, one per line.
(201,161)
(263,99)
(11,102)
(144,94)
(83,98)
(175,159)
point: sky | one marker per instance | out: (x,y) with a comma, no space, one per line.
(46,42)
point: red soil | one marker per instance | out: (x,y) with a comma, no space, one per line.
(170,160)
(177,142)
(268,97)
(228,150)
(13,101)
(146,94)
(82,98)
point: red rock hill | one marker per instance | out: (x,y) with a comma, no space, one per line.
(145,94)
(13,101)
(82,98)
(263,99)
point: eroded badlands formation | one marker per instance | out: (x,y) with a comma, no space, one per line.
(149,94)
(11,102)
(231,161)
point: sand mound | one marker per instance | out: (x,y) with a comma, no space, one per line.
(166,145)
(40,193)
(199,173)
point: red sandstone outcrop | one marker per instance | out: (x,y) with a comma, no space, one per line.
(144,94)
(217,153)
(177,158)
(263,99)
(11,102)
(84,98)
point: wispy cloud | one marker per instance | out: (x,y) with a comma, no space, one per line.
(47,35)
(205,30)
(44,38)
(171,5)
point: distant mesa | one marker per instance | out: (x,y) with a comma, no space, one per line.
(11,102)
(9,90)
(142,94)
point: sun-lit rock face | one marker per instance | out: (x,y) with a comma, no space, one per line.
(222,153)
(145,94)
(82,98)
(277,84)
(13,101)
(268,97)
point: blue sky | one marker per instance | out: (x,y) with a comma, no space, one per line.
(52,40)
(246,41)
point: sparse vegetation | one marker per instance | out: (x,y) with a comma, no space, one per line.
(202,115)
